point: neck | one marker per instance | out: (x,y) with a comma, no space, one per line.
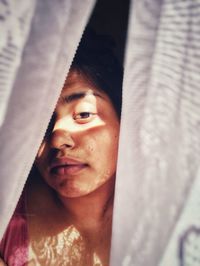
(91,210)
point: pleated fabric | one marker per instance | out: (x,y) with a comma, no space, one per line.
(159,150)
(35,71)
(15,23)
(156,210)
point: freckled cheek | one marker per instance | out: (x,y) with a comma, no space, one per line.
(102,150)
(90,147)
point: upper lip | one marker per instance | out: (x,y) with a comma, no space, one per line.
(65,161)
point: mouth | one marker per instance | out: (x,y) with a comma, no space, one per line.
(66,166)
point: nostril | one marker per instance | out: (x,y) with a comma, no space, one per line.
(68,145)
(61,139)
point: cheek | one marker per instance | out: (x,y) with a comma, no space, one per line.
(111,150)
(102,149)
(41,157)
(41,151)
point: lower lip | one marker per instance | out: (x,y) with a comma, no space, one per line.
(68,170)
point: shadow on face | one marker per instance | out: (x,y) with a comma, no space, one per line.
(79,153)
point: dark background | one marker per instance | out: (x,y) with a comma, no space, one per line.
(111,17)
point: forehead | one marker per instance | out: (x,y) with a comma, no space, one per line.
(77,86)
(79,83)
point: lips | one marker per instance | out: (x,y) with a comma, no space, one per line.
(66,166)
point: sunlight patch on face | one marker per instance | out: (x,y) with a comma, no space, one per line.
(97,181)
(75,128)
(73,122)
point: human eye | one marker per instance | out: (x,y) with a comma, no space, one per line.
(84,117)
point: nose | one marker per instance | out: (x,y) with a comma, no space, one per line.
(61,139)
(59,135)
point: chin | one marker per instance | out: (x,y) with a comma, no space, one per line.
(71,192)
(67,189)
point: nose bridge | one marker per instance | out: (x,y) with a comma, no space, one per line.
(60,123)
(61,135)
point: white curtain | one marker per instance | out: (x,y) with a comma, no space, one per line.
(48,34)
(159,153)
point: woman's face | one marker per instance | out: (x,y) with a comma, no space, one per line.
(80,153)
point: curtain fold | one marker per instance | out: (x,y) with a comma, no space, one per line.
(50,44)
(15,22)
(159,150)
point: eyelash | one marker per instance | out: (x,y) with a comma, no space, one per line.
(84,119)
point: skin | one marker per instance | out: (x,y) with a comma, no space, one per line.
(2,263)
(85,130)
(77,163)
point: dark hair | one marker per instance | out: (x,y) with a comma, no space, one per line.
(96,60)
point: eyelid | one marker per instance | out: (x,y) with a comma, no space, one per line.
(77,117)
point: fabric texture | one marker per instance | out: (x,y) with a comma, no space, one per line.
(15,25)
(50,44)
(159,150)
(159,153)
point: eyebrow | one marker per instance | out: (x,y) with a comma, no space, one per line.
(78,95)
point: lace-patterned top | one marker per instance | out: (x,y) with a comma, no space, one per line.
(66,248)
